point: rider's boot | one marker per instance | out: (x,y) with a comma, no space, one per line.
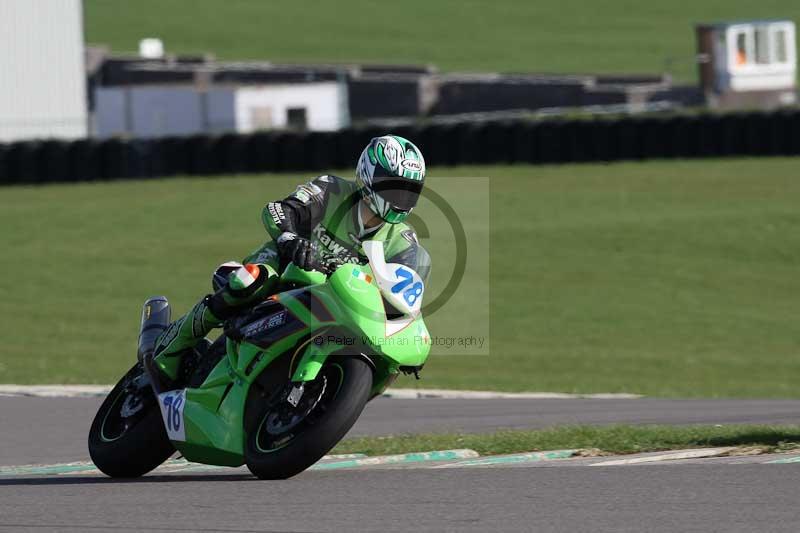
(183,334)
(245,285)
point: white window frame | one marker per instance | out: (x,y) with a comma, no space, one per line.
(732,36)
(732,33)
(791,52)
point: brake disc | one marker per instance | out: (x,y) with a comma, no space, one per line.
(287,417)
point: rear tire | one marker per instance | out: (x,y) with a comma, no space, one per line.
(342,386)
(133,445)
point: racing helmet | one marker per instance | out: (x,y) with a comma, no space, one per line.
(390,175)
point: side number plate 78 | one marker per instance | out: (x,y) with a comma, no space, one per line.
(172,404)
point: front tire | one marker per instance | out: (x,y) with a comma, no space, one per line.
(127,437)
(286,440)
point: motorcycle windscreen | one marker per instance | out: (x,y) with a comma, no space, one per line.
(416,258)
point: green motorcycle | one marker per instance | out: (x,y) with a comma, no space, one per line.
(282,385)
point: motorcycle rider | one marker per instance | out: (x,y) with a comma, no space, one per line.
(326,215)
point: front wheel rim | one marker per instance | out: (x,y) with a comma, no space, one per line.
(331,380)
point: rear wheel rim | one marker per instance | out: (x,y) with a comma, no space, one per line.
(115,425)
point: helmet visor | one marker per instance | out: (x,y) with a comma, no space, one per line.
(400,193)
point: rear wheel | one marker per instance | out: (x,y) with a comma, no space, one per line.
(127,437)
(287,439)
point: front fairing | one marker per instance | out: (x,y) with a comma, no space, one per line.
(294,275)
(404,340)
(350,306)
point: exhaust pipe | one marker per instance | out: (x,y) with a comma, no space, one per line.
(155,319)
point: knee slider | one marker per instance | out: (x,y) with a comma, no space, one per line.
(220,277)
(241,284)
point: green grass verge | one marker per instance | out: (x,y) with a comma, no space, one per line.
(662,278)
(620,439)
(509,35)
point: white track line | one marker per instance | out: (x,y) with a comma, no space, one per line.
(91,391)
(671,456)
(55,391)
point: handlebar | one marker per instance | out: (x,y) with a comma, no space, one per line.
(328,263)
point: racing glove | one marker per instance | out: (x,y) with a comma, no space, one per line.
(300,251)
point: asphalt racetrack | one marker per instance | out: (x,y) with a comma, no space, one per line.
(49,430)
(708,494)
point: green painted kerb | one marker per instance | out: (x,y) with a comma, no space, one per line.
(84,467)
(443,455)
(173,465)
(788,460)
(46,469)
(520,458)
(330,462)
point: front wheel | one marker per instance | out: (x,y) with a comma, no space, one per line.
(286,439)
(127,438)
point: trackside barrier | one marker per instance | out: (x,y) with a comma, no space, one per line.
(511,141)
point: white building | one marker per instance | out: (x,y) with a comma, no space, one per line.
(748,63)
(146,111)
(42,74)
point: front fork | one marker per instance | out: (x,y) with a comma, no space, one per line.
(314,358)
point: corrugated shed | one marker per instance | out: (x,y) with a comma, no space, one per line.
(42,76)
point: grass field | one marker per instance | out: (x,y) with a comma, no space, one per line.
(661,278)
(463,35)
(619,439)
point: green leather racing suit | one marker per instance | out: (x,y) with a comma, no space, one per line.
(325,211)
